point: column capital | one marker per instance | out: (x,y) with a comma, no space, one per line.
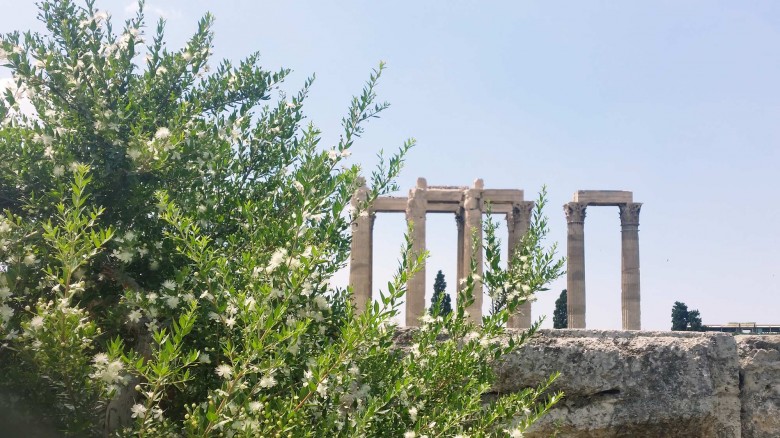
(629,213)
(523,209)
(575,212)
(459,220)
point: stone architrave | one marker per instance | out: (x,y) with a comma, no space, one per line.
(361,254)
(472,244)
(629,227)
(575,273)
(416,209)
(518,223)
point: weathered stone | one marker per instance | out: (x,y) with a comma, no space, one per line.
(603,197)
(629,384)
(759,378)
(637,384)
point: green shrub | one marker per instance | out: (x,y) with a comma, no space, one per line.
(169,234)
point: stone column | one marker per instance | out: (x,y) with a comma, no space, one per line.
(518,222)
(472,244)
(459,224)
(361,257)
(575,270)
(629,227)
(415,287)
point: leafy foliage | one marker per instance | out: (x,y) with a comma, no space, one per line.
(170,232)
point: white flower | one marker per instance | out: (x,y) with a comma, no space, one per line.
(413,413)
(6,312)
(204,358)
(298,186)
(30,259)
(169,284)
(36,322)
(230,322)
(321,302)
(5,293)
(322,388)
(515,433)
(276,259)
(125,255)
(267,381)
(162,70)
(134,316)
(290,105)
(133,154)
(172,302)
(162,133)
(345,153)
(255,406)
(138,410)
(100,359)
(410,434)
(224,371)
(333,154)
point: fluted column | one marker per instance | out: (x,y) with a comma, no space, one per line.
(575,271)
(459,224)
(415,288)
(472,244)
(629,227)
(518,222)
(361,257)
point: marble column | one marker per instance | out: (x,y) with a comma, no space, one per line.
(472,244)
(415,287)
(361,257)
(459,224)
(518,222)
(629,227)
(575,270)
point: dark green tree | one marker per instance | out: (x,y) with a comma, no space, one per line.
(679,316)
(441,297)
(694,321)
(561,314)
(686,320)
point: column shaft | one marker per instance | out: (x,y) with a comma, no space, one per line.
(518,223)
(472,245)
(575,271)
(630,288)
(415,287)
(360,259)
(460,271)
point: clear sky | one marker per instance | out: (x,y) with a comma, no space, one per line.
(677,101)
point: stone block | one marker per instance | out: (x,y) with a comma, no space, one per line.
(603,197)
(759,378)
(637,384)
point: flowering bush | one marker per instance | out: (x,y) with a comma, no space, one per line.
(168,238)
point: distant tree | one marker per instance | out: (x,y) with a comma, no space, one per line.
(684,319)
(561,314)
(694,321)
(441,297)
(679,316)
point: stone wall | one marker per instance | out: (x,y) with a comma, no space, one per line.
(650,384)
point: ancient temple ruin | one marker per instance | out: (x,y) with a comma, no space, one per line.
(467,205)
(575,272)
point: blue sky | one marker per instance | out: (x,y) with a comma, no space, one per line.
(677,101)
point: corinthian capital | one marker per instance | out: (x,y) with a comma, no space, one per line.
(629,213)
(575,212)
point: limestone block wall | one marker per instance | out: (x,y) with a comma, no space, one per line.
(759,379)
(649,384)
